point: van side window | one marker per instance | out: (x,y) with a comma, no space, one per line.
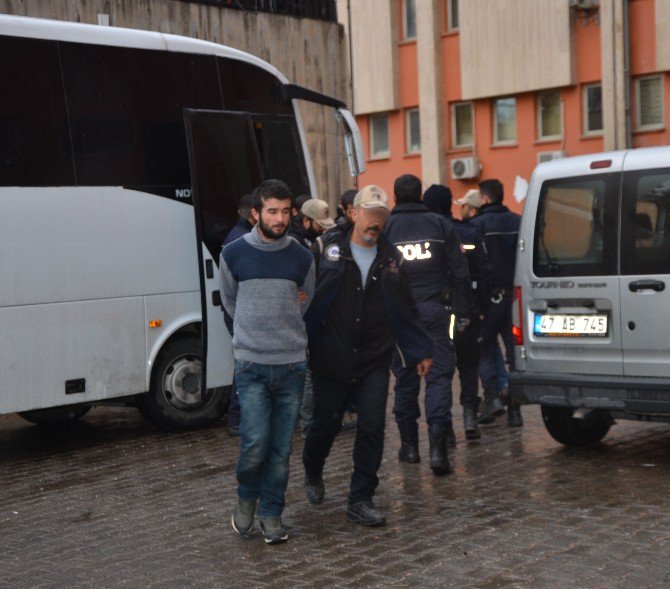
(35,145)
(645,233)
(576,228)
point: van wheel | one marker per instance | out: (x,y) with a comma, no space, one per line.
(568,430)
(173,401)
(56,415)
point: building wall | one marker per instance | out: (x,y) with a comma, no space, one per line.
(308,52)
(527,53)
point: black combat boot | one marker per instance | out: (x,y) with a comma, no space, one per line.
(470,423)
(493,407)
(409,443)
(439,462)
(514,418)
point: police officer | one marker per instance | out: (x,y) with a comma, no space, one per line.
(434,264)
(438,199)
(499,228)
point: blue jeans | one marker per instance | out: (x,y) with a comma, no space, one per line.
(438,400)
(270,397)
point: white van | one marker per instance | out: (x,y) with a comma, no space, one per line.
(591,316)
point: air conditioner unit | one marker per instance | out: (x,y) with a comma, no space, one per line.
(547,156)
(465,167)
(583,4)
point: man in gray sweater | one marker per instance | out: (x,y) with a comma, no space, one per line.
(267,282)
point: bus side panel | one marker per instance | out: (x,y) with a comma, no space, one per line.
(44,346)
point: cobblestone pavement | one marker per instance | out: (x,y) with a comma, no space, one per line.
(114,503)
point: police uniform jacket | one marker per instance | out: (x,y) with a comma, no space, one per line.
(478,264)
(432,255)
(352,327)
(499,228)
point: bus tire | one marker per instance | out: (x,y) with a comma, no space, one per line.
(173,401)
(55,415)
(570,431)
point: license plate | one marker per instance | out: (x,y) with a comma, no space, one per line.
(571,325)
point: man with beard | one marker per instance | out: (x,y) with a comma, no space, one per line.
(267,282)
(362,306)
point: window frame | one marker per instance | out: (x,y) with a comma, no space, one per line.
(638,106)
(585,109)
(373,154)
(538,116)
(449,6)
(496,140)
(408,131)
(405,35)
(454,119)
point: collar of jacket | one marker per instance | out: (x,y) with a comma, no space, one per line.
(384,246)
(493,208)
(410,207)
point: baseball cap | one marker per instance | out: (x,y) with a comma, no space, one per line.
(472,198)
(317,210)
(370,197)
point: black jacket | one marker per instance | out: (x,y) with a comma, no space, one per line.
(352,329)
(499,228)
(433,258)
(478,263)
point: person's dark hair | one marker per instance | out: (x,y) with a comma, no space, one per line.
(300,200)
(348,198)
(438,199)
(493,190)
(244,206)
(269,189)
(407,188)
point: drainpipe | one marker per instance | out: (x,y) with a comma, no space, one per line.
(627,76)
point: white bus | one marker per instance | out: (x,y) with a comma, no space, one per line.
(122,156)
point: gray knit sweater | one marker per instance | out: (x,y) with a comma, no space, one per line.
(260,286)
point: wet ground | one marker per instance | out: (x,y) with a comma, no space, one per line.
(114,503)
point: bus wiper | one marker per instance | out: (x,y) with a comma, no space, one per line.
(551,263)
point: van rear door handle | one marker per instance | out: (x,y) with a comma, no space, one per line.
(656,285)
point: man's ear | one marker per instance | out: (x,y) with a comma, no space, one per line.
(255,214)
(354,215)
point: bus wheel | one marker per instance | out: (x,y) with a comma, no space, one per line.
(174,401)
(56,415)
(569,430)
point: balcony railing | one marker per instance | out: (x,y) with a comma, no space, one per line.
(318,9)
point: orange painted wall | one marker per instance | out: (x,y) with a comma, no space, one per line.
(507,162)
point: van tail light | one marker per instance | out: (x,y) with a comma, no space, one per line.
(517,317)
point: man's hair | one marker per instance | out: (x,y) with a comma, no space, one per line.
(244,206)
(269,189)
(300,200)
(348,198)
(407,188)
(493,190)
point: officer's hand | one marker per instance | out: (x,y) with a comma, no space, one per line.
(423,367)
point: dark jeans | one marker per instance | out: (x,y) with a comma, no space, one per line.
(270,397)
(498,321)
(330,400)
(467,362)
(438,401)
(233,407)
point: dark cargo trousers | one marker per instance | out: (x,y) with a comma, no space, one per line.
(498,321)
(467,361)
(438,398)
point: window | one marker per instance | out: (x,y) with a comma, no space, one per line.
(593,109)
(504,120)
(576,229)
(549,115)
(452,15)
(462,125)
(413,131)
(645,239)
(649,94)
(409,19)
(379,136)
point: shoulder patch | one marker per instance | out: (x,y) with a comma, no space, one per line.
(332,252)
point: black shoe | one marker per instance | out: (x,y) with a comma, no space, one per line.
(409,452)
(314,489)
(364,513)
(514,418)
(273,530)
(470,424)
(439,463)
(451,438)
(492,409)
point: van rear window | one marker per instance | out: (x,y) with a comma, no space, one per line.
(576,227)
